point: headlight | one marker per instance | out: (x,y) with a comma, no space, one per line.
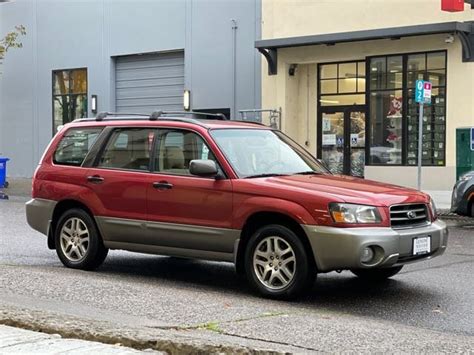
(433,209)
(349,213)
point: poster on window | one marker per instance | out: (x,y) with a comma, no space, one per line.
(395,107)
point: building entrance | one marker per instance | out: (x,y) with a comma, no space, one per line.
(342,139)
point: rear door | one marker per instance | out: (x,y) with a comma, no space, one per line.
(119,182)
(187,211)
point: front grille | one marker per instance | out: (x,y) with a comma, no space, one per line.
(408,216)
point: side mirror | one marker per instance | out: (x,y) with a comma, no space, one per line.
(205,168)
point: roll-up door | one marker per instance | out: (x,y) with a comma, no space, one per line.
(149,82)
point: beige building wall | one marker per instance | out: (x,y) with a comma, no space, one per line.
(297,95)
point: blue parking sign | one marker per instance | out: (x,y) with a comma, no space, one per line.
(423,92)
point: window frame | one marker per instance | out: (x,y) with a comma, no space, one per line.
(108,132)
(107,138)
(405,89)
(54,96)
(166,173)
(94,146)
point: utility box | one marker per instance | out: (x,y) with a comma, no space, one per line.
(452,5)
(464,150)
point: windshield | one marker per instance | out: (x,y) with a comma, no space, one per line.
(257,152)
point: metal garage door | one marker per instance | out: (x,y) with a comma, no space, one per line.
(149,82)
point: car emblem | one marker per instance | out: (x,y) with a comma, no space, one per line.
(411,214)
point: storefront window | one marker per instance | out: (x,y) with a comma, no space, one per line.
(394,114)
(69,96)
(432,67)
(342,84)
(386,116)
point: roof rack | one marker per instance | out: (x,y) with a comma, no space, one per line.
(155,115)
(159,114)
(102,115)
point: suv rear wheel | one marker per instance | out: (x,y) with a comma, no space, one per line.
(78,242)
(276,263)
(377,274)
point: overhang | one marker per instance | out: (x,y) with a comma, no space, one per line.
(464,30)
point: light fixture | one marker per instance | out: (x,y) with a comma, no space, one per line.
(94,103)
(187,100)
(449,39)
(292,69)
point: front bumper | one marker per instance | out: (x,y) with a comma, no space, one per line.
(341,248)
(39,213)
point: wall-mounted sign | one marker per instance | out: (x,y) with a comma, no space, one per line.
(329,139)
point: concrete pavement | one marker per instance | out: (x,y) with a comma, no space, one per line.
(20,341)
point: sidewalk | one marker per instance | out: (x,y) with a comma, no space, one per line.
(20,341)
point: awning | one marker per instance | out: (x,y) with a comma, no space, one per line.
(464,30)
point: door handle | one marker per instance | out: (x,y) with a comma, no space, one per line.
(162,185)
(95,179)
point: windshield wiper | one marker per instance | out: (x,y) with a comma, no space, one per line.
(264,175)
(308,173)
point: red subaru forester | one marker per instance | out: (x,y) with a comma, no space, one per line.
(222,190)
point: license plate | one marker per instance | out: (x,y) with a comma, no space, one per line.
(421,245)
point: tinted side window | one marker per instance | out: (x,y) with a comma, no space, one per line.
(175,149)
(74,146)
(128,149)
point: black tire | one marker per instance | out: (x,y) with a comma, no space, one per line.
(377,274)
(472,209)
(95,253)
(304,272)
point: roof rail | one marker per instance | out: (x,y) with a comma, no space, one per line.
(102,115)
(158,114)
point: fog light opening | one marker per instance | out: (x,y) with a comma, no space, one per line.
(367,255)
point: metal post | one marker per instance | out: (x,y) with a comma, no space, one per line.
(420,145)
(234,69)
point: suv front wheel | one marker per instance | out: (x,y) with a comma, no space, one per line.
(78,242)
(276,263)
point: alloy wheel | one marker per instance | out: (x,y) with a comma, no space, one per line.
(274,262)
(74,239)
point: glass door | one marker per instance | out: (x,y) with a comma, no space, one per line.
(332,141)
(356,152)
(342,140)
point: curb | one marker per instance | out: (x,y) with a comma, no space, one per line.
(139,339)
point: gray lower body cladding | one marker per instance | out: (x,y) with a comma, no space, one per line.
(341,248)
(39,214)
(169,238)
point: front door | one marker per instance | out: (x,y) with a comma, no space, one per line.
(342,139)
(187,211)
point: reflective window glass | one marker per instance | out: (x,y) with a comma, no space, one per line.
(128,149)
(69,96)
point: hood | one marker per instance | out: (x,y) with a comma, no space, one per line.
(350,189)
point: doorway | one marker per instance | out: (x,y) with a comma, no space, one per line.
(341,139)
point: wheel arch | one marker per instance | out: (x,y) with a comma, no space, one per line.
(59,209)
(262,218)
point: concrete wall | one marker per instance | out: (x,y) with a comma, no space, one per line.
(297,94)
(90,33)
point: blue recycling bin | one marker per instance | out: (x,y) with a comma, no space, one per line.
(3,172)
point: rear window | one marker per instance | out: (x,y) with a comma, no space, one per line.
(74,146)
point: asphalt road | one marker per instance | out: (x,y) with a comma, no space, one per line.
(427,307)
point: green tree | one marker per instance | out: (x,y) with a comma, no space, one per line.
(11,40)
